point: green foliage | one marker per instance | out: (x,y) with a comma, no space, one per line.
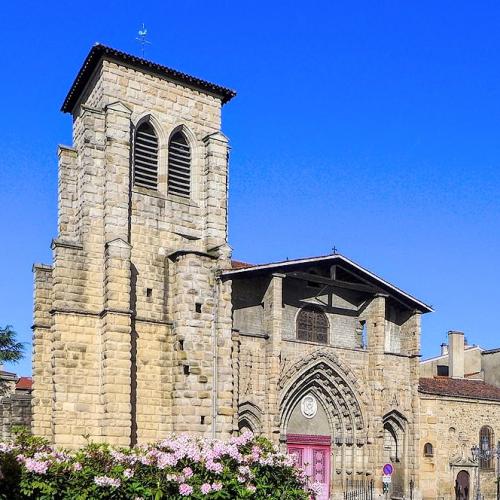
(10,349)
(176,468)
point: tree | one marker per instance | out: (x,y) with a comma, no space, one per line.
(10,350)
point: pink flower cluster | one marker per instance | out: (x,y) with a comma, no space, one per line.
(36,466)
(206,488)
(181,460)
(106,481)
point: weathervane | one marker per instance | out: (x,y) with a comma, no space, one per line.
(142,38)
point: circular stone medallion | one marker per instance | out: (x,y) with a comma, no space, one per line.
(309,406)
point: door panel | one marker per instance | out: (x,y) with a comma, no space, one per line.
(298,453)
(462,486)
(315,460)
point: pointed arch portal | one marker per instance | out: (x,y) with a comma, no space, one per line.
(324,393)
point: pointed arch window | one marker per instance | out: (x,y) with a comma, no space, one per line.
(486,443)
(146,156)
(312,325)
(179,166)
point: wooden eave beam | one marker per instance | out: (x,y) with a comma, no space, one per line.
(334,282)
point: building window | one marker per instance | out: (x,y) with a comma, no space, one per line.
(312,325)
(179,166)
(146,156)
(486,443)
(428,450)
(443,371)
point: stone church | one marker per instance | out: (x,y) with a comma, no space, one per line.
(143,325)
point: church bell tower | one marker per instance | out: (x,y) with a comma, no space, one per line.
(132,326)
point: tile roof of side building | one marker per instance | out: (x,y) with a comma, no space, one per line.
(99,52)
(460,388)
(238,264)
(24,383)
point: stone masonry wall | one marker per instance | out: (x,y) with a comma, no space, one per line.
(384,384)
(452,426)
(15,410)
(110,311)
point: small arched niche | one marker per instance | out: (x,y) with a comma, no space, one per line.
(428,450)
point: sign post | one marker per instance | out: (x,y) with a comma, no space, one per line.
(387,471)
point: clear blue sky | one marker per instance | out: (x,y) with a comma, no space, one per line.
(372,126)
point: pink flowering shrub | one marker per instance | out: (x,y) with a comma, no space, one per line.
(177,467)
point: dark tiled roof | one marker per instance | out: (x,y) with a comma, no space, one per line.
(462,388)
(24,383)
(99,51)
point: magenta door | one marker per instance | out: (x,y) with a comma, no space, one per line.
(313,454)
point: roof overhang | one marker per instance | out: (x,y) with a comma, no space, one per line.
(290,268)
(100,52)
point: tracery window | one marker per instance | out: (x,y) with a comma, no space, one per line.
(146,156)
(312,325)
(179,166)
(486,443)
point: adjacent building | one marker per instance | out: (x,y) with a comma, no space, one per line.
(15,403)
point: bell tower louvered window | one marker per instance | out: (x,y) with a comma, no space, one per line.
(146,156)
(179,166)
(312,325)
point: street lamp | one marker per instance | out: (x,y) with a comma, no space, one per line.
(485,452)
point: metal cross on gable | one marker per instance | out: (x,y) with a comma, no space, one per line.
(143,33)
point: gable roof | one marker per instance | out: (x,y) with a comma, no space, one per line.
(99,52)
(241,269)
(459,387)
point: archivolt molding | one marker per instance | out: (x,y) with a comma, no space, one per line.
(298,368)
(148,117)
(251,413)
(397,418)
(335,386)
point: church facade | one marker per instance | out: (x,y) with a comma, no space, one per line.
(143,325)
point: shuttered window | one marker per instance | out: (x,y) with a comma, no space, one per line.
(146,156)
(179,166)
(312,325)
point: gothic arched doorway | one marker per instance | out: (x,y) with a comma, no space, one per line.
(322,419)
(462,485)
(395,450)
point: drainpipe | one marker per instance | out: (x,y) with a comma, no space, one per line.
(215,320)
